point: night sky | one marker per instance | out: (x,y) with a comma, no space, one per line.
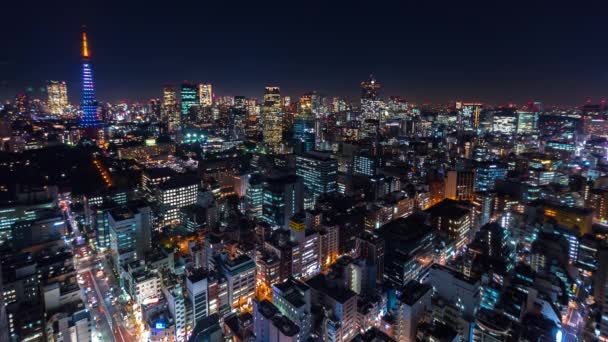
(512,52)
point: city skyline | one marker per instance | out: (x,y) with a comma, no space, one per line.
(454,53)
(303,172)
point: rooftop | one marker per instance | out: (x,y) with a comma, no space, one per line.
(413,291)
(448,208)
(322,284)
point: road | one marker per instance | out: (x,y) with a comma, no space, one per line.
(108,324)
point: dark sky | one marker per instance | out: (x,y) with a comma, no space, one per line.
(424,52)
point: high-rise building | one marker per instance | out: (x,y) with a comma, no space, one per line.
(57,94)
(320,174)
(527,122)
(459,185)
(413,302)
(304,122)
(483,204)
(283,197)
(197,287)
(370,99)
(468,115)
(130,230)
(205,95)
(172,195)
(365,164)
(22,103)
(487,174)
(240,278)
(452,218)
(189,97)
(90,118)
(254,195)
(170,114)
(272,118)
(292,298)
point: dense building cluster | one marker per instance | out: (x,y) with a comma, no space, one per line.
(200,217)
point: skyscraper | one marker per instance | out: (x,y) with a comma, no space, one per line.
(304,132)
(89,120)
(189,97)
(370,99)
(272,118)
(57,97)
(320,174)
(22,103)
(170,114)
(205,95)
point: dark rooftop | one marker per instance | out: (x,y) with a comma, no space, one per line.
(413,291)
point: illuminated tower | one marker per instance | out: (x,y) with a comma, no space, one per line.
(57,97)
(304,122)
(272,118)
(22,103)
(89,120)
(189,97)
(170,114)
(370,99)
(205,95)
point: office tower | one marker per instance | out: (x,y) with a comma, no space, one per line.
(57,97)
(130,231)
(341,302)
(407,241)
(504,122)
(197,286)
(370,247)
(370,99)
(170,113)
(468,115)
(267,273)
(11,214)
(412,303)
(483,204)
(329,247)
(90,119)
(101,225)
(492,240)
(598,200)
(240,278)
(155,108)
(303,126)
(283,197)
(189,97)
(365,164)
(288,253)
(320,174)
(271,326)
(459,185)
(292,298)
(177,308)
(205,95)
(254,195)
(272,118)
(455,288)
(527,122)
(172,195)
(22,103)
(309,244)
(487,174)
(453,219)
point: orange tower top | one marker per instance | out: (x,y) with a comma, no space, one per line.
(85,46)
